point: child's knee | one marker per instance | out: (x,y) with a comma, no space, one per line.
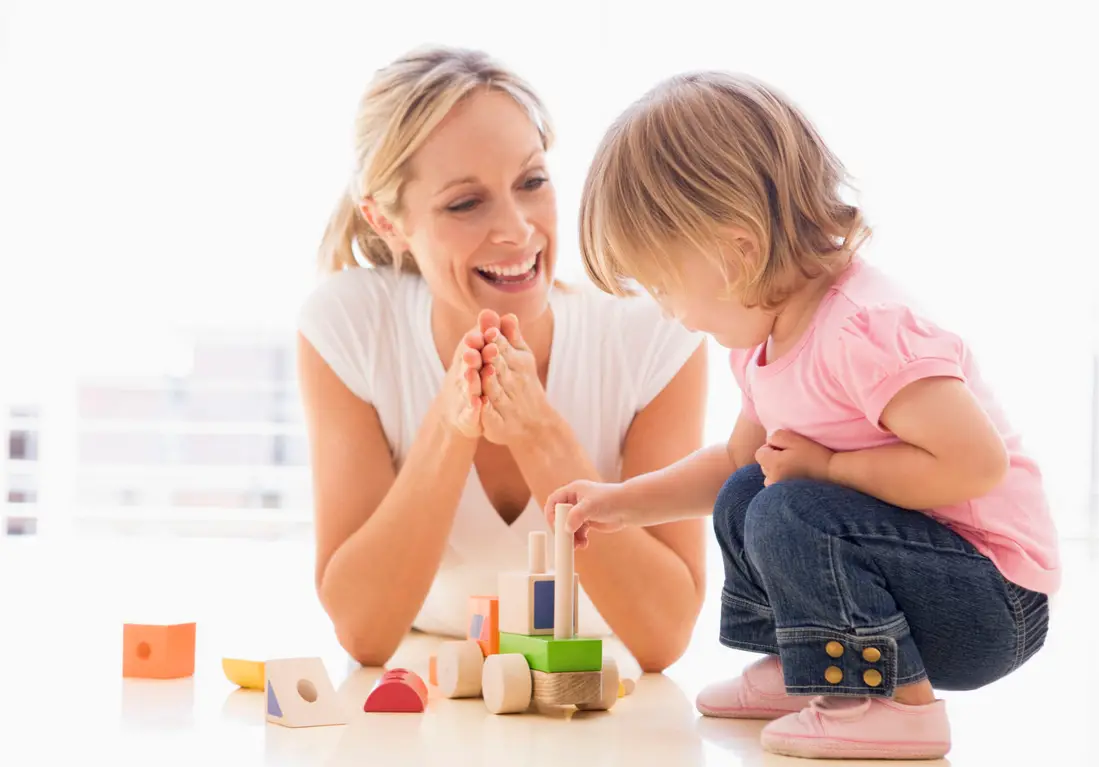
(775,527)
(738,491)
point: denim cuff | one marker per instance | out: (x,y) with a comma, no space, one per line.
(863,662)
(746,625)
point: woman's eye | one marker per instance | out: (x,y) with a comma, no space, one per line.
(535,183)
(462,207)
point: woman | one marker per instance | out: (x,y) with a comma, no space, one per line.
(453,384)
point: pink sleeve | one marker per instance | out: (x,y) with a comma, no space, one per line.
(738,362)
(881,350)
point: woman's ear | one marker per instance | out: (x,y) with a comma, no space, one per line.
(383,226)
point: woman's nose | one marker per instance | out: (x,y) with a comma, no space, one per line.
(512,225)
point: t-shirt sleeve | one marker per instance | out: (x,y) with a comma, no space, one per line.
(659,347)
(880,350)
(738,363)
(341,318)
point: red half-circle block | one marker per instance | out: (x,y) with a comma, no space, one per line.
(399,691)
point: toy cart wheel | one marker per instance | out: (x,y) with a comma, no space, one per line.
(458,669)
(506,683)
(610,688)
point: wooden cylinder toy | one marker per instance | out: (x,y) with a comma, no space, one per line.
(458,668)
(536,553)
(562,578)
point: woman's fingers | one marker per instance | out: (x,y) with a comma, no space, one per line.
(475,339)
(472,358)
(488,319)
(490,384)
(495,354)
(509,326)
(473,382)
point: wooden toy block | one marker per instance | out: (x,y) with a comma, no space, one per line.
(565,585)
(484,623)
(459,668)
(433,670)
(300,694)
(244,673)
(158,651)
(397,691)
(507,685)
(555,655)
(526,600)
(572,688)
(608,696)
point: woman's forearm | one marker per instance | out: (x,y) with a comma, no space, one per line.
(376,581)
(651,608)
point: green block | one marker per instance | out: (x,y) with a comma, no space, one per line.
(544,653)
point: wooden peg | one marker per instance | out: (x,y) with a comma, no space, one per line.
(563,575)
(536,552)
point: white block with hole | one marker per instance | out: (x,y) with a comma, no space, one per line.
(299,693)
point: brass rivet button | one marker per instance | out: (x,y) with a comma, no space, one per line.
(833,675)
(872,677)
(834,649)
(871,654)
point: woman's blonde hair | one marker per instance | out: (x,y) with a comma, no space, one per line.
(701,152)
(402,105)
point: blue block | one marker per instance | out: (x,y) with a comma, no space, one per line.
(543,604)
(475,623)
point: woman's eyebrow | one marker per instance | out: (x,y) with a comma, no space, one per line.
(473,179)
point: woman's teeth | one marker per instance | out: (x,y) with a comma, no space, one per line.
(510,271)
(524,270)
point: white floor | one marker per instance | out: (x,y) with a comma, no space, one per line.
(62,605)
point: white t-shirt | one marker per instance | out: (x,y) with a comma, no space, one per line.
(609,358)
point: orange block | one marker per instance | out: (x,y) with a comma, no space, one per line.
(433,670)
(158,652)
(484,623)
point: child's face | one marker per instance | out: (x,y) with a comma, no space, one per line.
(702,304)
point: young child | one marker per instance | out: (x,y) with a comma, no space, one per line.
(882,530)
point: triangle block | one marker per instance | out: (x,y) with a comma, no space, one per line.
(300,694)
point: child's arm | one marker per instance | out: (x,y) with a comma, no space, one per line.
(684,489)
(950,451)
(689,487)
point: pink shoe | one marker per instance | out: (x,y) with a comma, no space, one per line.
(759,693)
(861,728)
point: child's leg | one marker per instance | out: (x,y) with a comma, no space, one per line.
(747,621)
(868,599)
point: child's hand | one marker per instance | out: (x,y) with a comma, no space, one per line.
(597,506)
(788,455)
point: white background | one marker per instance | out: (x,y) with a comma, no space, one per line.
(165,166)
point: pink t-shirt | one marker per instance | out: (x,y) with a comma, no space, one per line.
(863,346)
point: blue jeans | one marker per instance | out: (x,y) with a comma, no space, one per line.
(858,597)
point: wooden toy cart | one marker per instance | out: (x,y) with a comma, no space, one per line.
(522,646)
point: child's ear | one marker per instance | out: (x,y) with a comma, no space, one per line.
(744,244)
(383,226)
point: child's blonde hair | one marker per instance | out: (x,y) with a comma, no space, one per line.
(402,105)
(708,150)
